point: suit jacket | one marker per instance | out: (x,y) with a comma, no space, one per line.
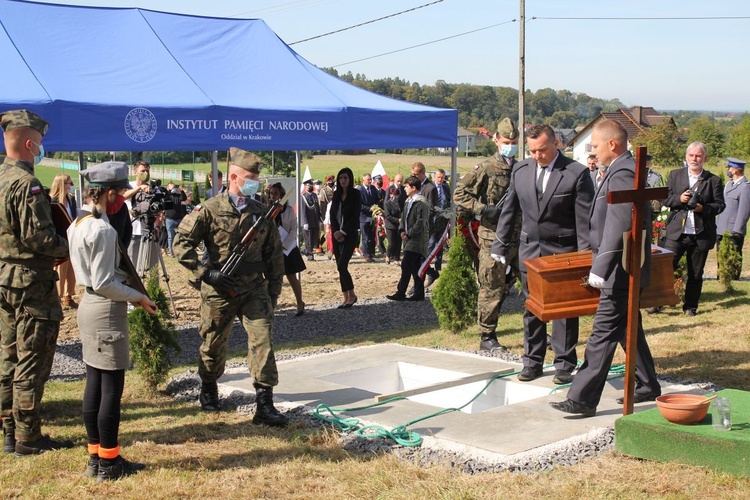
(712,198)
(369,197)
(401,197)
(594,174)
(392,213)
(345,216)
(428,191)
(559,223)
(438,220)
(608,223)
(309,211)
(415,221)
(735,215)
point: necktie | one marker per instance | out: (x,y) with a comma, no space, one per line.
(540,182)
(441,196)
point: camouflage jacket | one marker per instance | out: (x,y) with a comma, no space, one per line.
(219,225)
(485,185)
(29,243)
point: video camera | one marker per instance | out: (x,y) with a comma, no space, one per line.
(156,200)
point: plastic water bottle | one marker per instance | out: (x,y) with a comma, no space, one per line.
(721,417)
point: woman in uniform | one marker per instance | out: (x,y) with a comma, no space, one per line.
(60,193)
(102,319)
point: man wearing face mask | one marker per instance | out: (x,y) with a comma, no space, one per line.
(737,198)
(220,223)
(137,203)
(309,216)
(480,193)
(30,310)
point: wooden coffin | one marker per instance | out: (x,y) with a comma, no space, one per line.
(558,289)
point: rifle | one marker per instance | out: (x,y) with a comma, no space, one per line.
(230,266)
(134,280)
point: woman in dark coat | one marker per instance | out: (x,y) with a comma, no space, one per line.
(392,215)
(345,209)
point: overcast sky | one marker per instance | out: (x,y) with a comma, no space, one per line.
(668,64)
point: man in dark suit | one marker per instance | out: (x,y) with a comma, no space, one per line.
(607,225)
(440,221)
(553,194)
(695,199)
(370,197)
(428,191)
(398,180)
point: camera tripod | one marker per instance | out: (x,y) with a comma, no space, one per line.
(145,254)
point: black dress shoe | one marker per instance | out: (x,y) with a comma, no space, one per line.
(398,297)
(528,374)
(562,377)
(570,406)
(639,398)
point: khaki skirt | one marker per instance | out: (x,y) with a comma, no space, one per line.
(103,328)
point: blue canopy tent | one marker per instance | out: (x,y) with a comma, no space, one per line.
(132,79)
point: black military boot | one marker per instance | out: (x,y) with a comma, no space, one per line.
(489,343)
(209,397)
(265,412)
(92,468)
(41,445)
(110,470)
(9,441)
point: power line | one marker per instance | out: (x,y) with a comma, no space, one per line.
(367,22)
(282,7)
(706,18)
(426,43)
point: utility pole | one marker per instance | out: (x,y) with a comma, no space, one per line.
(521,79)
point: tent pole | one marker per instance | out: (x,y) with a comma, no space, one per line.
(79,193)
(298,161)
(454,180)
(215,172)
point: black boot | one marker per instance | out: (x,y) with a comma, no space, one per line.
(209,397)
(9,441)
(110,470)
(92,468)
(265,412)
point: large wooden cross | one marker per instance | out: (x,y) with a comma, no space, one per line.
(636,196)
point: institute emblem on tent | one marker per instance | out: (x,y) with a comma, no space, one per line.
(140,125)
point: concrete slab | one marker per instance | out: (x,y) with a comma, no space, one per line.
(340,379)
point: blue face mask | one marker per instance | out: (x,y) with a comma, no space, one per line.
(509,150)
(250,187)
(38,158)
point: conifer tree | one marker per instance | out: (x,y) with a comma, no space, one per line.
(455,294)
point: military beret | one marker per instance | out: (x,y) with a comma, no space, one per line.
(23,118)
(108,174)
(734,162)
(507,128)
(245,160)
(330,178)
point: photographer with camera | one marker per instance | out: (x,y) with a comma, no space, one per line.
(174,214)
(695,199)
(137,200)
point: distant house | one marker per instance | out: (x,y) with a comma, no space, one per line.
(467,141)
(635,120)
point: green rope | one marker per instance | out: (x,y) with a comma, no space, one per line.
(398,434)
(616,371)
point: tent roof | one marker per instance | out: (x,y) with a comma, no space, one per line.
(133,79)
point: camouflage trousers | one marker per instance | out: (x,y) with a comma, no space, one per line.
(253,306)
(492,279)
(29,323)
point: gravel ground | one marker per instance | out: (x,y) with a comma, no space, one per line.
(327,321)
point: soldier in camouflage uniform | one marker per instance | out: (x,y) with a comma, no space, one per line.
(480,192)
(30,310)
(220,224)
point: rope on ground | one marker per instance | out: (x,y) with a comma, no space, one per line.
(615,371)
(399,434)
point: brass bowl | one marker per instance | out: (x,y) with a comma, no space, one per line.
(683,409)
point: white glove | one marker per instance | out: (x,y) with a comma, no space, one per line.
(595,281)
(499,258)
(305,226)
